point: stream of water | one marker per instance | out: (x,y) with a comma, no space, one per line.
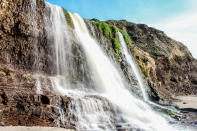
(110,103)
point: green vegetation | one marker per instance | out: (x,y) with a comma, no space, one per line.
(116,45)
(68,18)
(110,32)
(126,37)
(104,28)
(170,112)
(114,30)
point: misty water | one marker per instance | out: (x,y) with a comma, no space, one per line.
(108,104)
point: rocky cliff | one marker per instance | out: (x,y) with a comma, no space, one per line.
(167,65)
(24,52)
(170,68)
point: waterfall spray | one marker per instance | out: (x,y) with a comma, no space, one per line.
(112,86)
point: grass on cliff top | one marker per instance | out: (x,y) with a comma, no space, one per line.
(68,18)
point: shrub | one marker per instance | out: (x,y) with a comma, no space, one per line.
(68,18)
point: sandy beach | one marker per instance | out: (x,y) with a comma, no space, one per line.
(186,102)
(20,128)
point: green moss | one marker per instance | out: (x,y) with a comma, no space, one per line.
(114,30)
(116,45)
(170,112)
(126,37)
(111,32)
(104,28)
(68,18)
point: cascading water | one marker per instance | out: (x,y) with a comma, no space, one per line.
(110,103)
(112,86)
(132,65)
(86,110)
(58,37)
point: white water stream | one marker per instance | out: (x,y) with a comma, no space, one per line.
(133,65)
(95,111)
(111,85)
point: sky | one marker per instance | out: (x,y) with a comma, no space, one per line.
(177,18)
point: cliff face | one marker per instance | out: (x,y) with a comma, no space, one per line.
(23,36)
(171,69)
(24,51)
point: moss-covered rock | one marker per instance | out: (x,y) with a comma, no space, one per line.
(111,32)
(116,45)
(126,37)
(68,18)
(104,28)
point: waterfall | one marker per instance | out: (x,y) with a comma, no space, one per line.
(106,105)
(110,84)
(58,38)
(87,110)
(133,65)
